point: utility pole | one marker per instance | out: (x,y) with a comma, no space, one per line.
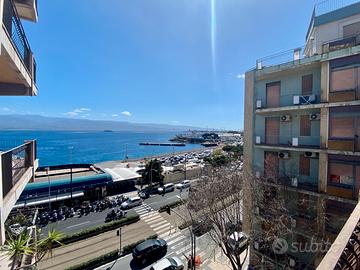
(118,232)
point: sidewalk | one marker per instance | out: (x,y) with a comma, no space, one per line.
(82,251)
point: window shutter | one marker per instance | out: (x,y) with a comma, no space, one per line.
(304,165)
(305,125)
(307,84)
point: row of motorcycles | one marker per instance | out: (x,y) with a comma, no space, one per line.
(86,208)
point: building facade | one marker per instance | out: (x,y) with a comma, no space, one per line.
(18,161)
(304,123)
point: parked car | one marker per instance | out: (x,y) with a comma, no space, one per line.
(143,194)
(149,250)
(131,202)
(170,263)
(183,184)
(166,188)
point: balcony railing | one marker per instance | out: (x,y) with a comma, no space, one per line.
(344,253)
(289,141)
(15,30)
(15,163)
(289,100)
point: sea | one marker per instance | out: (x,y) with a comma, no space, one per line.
(65,147)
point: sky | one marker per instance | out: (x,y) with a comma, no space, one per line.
(154,61)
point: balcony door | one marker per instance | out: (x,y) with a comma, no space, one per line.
(271,165)
(272,130)
(273,95)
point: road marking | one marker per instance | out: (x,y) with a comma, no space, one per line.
(152,217)
(158,221)
(168,237)
(140,212)
(161,226)
(164,230)
(148,215)
(79,224)
(176,240)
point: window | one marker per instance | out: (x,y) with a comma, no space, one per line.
(343,79)
(340,173)
(305,125)
(272,130)
(307,84)
(351,30)
(271,165)
(341,127)
(273,95)
(304,165)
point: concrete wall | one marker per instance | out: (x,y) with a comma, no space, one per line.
(290,85)
(178,176)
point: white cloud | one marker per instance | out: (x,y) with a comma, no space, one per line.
(174,122)
(241,76)
(6,109)
(114,115)
(126,113)
(71,114)
(85,109)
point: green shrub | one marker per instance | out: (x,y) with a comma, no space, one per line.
(171,205)
(99,229)
(108,257)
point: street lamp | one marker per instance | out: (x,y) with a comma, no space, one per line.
(71,174)
(47,173)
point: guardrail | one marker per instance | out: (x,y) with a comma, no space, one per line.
(15,30)
(15,163)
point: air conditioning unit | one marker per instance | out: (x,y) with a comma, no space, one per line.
(314,116)
(292,262)
(285,118)
(310,154)
(256,245)
(295,141)
(257,139)
(283,155)
(298,100)
(294,182)
(258,104)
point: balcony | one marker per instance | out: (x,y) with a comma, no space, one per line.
(307,142)
(344,144)
(27,9)
(16,58)
(18,166)
(344,253)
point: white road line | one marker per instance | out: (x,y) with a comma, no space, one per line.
(183,244)
(141,211)
(161,226)
(151,217)
(183,250)
(158,221)
(176,240)
(163,230)
(79,224)
(168,237)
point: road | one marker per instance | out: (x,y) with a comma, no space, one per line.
(178,244)
(77,224)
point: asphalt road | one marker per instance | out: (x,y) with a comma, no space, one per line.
(77,224)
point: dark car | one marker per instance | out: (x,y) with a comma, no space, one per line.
(149,249)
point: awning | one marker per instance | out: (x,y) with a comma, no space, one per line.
(43,200)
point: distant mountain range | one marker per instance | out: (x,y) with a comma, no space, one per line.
(37,122)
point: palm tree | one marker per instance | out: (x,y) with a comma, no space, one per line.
(46,245)
(16,247)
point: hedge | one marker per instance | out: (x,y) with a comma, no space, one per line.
(108,257)
(99,229)
(171,205)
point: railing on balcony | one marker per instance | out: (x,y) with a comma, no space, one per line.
(289,100)
(289,141)
(344,144)
(15,163)
(15,30)
(344,253)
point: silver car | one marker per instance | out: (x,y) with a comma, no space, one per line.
(170,263)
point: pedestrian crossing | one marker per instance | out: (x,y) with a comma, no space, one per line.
(179,243)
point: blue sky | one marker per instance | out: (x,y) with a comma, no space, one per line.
(151,61)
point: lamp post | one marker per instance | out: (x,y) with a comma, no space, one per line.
(47,173)
(71,174)
(118,232)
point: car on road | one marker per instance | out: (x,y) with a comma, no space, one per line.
(166,188)
(170,263)
(131,202)
(183,184)
(149,250)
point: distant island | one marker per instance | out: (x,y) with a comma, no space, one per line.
(37,122)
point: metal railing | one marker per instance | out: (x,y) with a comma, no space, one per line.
(15,163)
(289,140)
(15,30)
(345,250)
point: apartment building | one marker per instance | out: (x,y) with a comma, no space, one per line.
(17,78)
(303,128)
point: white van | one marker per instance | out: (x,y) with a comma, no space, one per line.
(166,188)
(131,202)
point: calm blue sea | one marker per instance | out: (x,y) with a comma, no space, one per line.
(53,147)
